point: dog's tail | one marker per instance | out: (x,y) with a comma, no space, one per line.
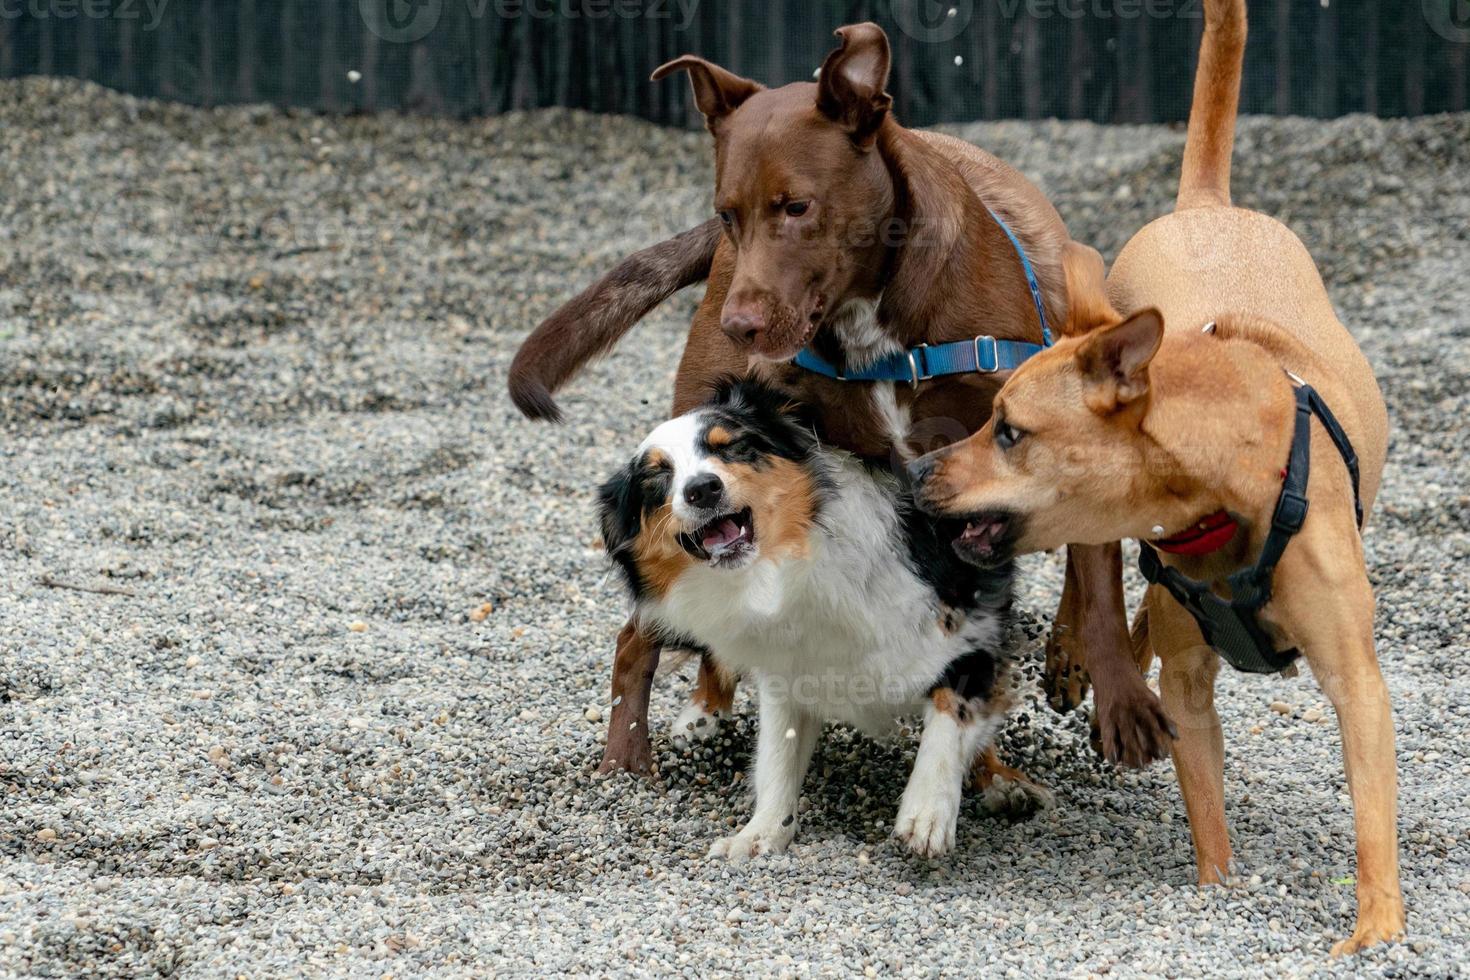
(1205,181)
(588,325)
(1138,641)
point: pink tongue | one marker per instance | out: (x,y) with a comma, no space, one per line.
(727,531)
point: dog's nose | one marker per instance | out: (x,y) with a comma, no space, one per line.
(920,470)
(704,491)
(743,324)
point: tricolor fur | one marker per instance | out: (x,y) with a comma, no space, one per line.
(739,534)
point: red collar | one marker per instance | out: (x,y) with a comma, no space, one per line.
(1208,534)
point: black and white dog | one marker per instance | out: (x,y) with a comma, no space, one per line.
(740,536)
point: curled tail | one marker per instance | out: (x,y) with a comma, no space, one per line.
(588,325)
(1205,181)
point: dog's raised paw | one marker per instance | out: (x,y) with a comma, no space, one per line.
(696,724)
(754,841)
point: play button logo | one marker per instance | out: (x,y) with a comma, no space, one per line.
(401,21)
(933,21)
(1449,18)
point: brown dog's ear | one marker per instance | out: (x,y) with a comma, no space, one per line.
(717,92)
(1115,360)
(1087,295)
(850,89)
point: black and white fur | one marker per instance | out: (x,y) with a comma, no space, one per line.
(871,618)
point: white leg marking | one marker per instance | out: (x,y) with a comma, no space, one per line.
(695,724)
(784,744)
(930,809)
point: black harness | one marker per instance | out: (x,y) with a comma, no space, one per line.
(1232,626)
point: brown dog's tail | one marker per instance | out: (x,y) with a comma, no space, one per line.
(1138,641)
(1205,181)
(588,325)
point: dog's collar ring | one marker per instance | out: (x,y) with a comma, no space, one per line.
(917,374)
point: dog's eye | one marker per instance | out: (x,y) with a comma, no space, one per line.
(798,208)
(1007,435)
(727,217)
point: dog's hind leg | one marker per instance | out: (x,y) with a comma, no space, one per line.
(627,728)
(709,705)
(1006,790)
(1187,679)
(1336,625)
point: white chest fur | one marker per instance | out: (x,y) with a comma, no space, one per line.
(851,632)
(865,341)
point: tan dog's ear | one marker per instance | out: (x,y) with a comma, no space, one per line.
(717,92)
(1115,360)
(850,89)
(1087,296)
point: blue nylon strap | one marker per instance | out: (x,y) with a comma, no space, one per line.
(1030,278)
(982,355)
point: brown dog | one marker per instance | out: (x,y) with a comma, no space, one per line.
(841,230)
(1126,429)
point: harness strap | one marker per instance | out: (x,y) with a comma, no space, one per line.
(1344,446)
(1230,626)
(980,355)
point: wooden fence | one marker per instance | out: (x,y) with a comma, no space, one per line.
(1105,60)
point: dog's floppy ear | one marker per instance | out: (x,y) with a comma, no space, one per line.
(1114,360)
(851,88)
(620,508)
(717,92)
(1087,296)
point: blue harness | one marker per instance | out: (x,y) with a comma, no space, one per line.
(982,355)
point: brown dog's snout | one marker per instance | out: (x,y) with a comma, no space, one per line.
(743,320)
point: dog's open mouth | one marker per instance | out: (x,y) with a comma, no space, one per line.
(987,539)
(723,541)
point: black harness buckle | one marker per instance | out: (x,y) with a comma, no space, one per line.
(1232,626)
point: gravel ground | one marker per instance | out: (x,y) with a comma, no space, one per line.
(341,716)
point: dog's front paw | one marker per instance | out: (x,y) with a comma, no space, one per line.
(1132,726)
(696,724)
(1371,932)
(755,839)
(627,750)
(928,828)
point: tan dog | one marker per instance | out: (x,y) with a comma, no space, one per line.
(1129,429)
